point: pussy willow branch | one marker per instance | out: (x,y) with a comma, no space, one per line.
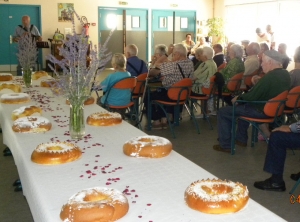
(77,78)
(27,51)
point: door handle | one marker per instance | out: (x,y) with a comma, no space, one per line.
(10,39)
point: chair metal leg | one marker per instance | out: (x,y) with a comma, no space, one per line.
(205,116)
(294,187)
(187,109)
(168,119)
(233,129)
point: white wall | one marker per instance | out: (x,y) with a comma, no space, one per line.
(89,8)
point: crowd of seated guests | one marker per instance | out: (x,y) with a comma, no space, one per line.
(172,64)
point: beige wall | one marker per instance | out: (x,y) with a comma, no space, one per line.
(219,8)
(89,8)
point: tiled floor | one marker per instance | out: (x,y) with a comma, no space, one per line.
(245,166)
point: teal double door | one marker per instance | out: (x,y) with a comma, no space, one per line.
(10,18)
(171,27)
(131,27)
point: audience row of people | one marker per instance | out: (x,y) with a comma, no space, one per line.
(171,64)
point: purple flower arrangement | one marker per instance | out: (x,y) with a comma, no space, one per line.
(27,52)
(78,75)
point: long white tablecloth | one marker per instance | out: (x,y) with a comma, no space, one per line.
(154,187)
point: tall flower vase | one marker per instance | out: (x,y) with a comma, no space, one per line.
(77,121)
(26,73)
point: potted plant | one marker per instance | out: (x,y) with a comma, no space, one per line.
(216,30)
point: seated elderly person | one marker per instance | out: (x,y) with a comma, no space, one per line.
(273,83)
(295,73)
(134,65)
(206,70)
(282,50)
(263,47)
(117,97)
(171,72)
(198,54)
(281,138)
(199,44)
(219,57)
(252,63)
(234,66)
(227,57)
(188,42)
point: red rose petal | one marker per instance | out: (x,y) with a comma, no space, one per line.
(148,204)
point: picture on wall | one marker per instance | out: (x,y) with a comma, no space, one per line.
(63,15)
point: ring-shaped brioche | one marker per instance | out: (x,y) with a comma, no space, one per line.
(88,101)
(6,77)
(15,98)
(48,82)
(147,146)
(95,204)
(26,111)
(216,196)
(10,88)
(54,153)
(38,74)
(104,119)
(31,124)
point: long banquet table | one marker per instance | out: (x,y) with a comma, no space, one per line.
(154,187)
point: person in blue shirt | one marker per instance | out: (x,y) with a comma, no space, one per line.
(25,28)
(117,97)
(134,65)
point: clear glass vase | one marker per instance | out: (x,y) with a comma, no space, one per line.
(26,73)
(77,121)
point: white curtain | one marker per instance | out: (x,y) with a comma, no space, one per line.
(241,20)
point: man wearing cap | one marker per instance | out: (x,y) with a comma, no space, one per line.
(272,84)
(262,37)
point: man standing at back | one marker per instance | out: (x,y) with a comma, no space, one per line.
(26,27)
(272,39)
(134,65)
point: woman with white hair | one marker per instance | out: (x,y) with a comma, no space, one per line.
(236,64)
(205,70)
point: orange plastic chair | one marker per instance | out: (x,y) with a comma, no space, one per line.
(179,93)
(233,85)
(222,66)
(273,108)
(138,93)
(208,93)
(128,83)
(293,103)
(248,80)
